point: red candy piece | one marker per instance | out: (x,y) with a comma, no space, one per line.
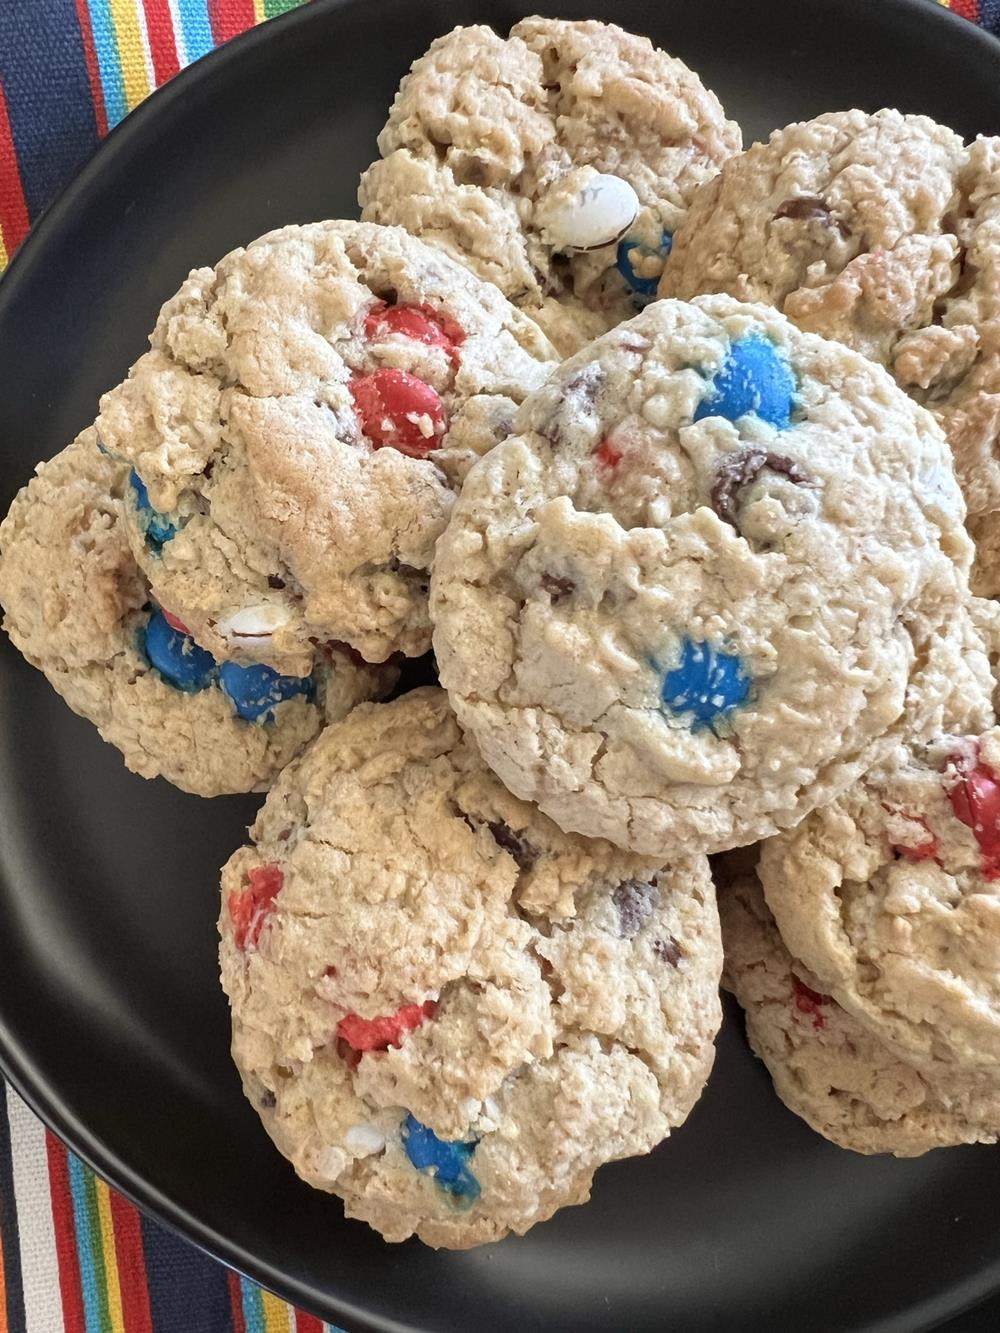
(975,799)
(393,406)
(607,454)
(249,908)
(924,851)
(419,323)
(174,623)
(378,1034)
(809,1001)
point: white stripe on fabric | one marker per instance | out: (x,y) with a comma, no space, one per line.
(175,19)
(147,54)
(39,1264)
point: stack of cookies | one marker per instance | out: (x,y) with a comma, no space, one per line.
(662,447)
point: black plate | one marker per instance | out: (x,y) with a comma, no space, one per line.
(111,1021)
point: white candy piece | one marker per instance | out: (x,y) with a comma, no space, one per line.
(598,213)
(253,622)
(363,1140)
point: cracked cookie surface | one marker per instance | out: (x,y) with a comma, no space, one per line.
(296,433)
(79,608)
(882,231)
(889,896)
(445,1010)
(717,561)
(498,150)
(828,1067)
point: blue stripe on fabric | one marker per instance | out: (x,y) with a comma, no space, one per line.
(253,1307)
(13,1277)
(990,16)
(184,1283)
(108,61)
(44,76)
(85,1255)
(196,27)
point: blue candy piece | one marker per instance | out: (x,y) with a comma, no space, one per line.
(255,690)
(176,656)
(641,286)
(447,1159)
(157,528)
(754,378)
(706,683)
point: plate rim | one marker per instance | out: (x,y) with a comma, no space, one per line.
(16,1062)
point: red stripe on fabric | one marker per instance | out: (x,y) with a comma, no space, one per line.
(131,1260)
(307,1323)
(3,1293)
(162,40)
(969,9)
(93,69)
(74,1319)
(13,209)
(230,17)
(236,1300)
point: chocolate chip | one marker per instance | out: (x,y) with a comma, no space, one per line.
(582,390)
(668,951)
(809,208)
(557,586)
(523,853)
(743,467)
(471,171)
(635,900)
(268,1101)
(587,383)
(274,582)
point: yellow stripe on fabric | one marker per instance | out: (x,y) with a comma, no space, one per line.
(4,257)
(258,11)
(133,59)
(115,1311)
(277,1315)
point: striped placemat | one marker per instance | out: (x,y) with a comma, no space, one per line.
(75,1257)
(70,70)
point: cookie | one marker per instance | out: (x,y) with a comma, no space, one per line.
(984,529)
(882,231)
(78,608)
(296,431)
(444,1010)
(890,897)
(556,163)
(826,1066)
(681,605)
